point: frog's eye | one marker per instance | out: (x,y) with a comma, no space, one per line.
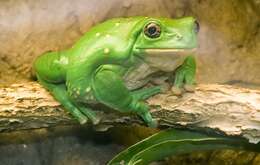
(152,30)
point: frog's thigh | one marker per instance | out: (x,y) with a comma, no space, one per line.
(60,94)
(109,88)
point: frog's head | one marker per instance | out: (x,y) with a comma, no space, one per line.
(164,37)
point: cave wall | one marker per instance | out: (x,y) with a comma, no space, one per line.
(229,37)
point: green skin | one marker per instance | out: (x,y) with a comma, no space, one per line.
(100,66)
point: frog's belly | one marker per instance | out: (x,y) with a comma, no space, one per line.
(143,73)
(141,76)
(137,77)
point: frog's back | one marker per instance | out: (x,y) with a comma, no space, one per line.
(51,66)
(113,27)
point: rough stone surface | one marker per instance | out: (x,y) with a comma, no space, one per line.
(231,110)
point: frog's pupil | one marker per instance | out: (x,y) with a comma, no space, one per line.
(152,30)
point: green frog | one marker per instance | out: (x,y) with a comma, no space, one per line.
(115,60)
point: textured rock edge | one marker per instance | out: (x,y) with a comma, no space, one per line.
(226,109)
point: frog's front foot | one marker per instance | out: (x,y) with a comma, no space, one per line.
(147,117)
(189,87)
(178,90)
(185,77)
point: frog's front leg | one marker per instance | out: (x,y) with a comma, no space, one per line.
(110,90)
(185,76)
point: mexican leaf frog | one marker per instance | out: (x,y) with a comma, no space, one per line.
(113,62)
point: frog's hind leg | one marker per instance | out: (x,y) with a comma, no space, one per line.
(60,94)
(109,89)
(89,113)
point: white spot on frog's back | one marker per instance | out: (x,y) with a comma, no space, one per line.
(106,50)
(117,24)
(63,60)
(107,35)
(97,34)
(78,91)
(87,89)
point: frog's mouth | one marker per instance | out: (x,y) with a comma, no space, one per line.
(168,51)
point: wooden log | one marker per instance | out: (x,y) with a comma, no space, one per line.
(228,109)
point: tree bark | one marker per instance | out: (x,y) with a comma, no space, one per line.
(227,109)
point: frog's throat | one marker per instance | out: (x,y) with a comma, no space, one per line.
(169,51)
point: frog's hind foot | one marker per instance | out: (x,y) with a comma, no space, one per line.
(90,114)
(60,94)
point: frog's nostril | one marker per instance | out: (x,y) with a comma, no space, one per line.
(196,26)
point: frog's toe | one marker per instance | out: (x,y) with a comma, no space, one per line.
(147,117)
(83,120)
(102,127)
(90,114)
(176,91)
(96,120)
(189,87)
